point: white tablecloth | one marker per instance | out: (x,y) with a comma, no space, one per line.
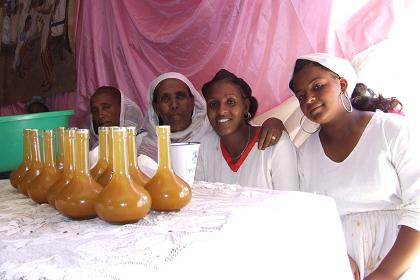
(225,231)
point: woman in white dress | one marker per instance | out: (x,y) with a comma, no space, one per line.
(369,162)
(229,153)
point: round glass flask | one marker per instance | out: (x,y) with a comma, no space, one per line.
(38,190)
(68,166)
(168,191)
(17,175)
(36,163)
(122,201)
(76,200)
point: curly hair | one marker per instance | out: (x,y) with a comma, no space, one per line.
(365,99)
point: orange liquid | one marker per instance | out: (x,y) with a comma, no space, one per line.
(17,175)
(136,174)
(102,163)
(60,149)
(68,167)
(168,191)
(38,190)
(76,200)
(36,164)
(122,201)
(106,176)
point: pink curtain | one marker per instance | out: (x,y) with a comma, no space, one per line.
(128,43)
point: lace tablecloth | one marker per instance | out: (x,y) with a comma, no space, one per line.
(225,231)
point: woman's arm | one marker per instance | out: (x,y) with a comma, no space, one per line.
(271,131)
(401,255)
(405,156)
(284,170)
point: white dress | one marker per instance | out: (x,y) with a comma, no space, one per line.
(376,188)
(272,168)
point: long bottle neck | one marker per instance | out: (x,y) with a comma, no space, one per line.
(82,152)
(111,147)
(120,152)
(35,148)
(49,148)
(164,139)
(27,145)
(60,144)
(131,146)
(103,144)
(68,164)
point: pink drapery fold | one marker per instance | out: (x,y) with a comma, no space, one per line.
(128,43)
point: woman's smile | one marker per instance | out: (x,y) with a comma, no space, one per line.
(223,120)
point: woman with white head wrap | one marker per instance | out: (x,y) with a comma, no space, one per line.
(369,162)
(193,133)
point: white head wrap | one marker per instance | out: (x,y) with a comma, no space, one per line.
(193,133)
(342,67)
(130,115)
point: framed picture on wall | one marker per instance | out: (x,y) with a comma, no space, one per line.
(37,55)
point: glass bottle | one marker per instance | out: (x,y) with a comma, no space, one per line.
(60,148)
(76,200)
(168,191)
(106,176)
(136,174)
(39,187)
(102,163)
(68,166)
(17,175)
(36,163)
(122,201)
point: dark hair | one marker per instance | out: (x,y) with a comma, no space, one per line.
(109,89)
(365,99)
(225,75)
(302,63)
(362,98)
(36,107)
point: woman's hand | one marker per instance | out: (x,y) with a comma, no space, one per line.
(271,131)
(354,269)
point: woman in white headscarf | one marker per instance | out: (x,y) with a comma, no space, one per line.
(109,107)
(369,162)
(199,124)
(174,101)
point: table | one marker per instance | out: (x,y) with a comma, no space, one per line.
(225,232)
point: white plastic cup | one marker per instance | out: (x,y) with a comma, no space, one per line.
(184,160)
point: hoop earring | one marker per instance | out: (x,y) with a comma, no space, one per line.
(348,100)
(247,116)
(300,123)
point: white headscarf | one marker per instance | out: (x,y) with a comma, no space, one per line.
(130,115)
(193,133)
(342,67)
